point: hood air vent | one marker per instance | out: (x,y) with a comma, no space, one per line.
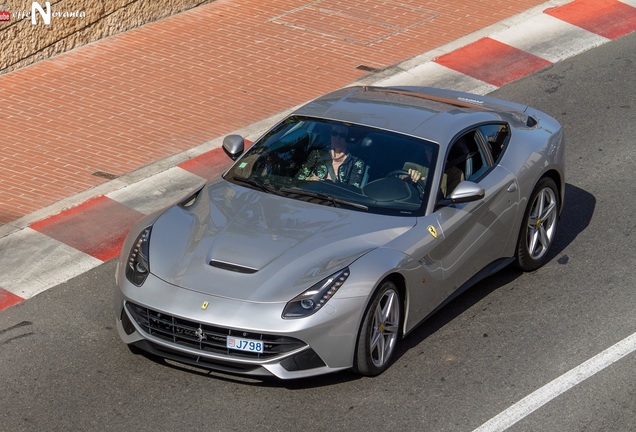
(232,267)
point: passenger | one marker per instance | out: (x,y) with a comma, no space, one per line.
(336,163)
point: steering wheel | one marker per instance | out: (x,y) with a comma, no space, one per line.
(419,184)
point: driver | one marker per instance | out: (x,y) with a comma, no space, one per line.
(335,163)
(417,172)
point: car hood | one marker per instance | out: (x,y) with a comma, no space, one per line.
(244,244)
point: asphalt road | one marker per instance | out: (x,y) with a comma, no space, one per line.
(63,367)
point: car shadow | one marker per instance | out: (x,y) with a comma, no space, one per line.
(575,218)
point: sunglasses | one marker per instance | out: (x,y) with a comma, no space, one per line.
(338,134)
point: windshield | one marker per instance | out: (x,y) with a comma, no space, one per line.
(340,164)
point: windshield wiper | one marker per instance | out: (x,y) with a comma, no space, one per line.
(323,196)
(257,184)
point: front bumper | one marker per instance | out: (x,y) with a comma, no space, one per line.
(170,322)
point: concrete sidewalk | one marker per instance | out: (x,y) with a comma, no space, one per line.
(97,137)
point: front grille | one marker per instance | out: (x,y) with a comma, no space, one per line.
(207,338)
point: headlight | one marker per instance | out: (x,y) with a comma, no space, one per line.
(138,265)
(315,297)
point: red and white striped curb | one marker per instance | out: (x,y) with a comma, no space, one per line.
(54,249)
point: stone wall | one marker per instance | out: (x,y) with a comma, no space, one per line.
(73,23)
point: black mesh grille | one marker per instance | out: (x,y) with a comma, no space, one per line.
(207,338)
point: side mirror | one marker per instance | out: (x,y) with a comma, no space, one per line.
(233,146)
(466,191)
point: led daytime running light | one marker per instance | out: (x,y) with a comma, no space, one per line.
(138,264)
(315,297)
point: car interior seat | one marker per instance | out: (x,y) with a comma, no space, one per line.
(455,168)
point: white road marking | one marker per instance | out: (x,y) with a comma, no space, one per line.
(545,394)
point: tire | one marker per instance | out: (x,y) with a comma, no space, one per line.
(379,332)
(539,226)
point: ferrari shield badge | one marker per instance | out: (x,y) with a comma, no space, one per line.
(432,230)
(204,306)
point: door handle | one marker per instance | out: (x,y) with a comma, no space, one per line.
(512,187)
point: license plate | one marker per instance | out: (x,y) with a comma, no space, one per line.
(241,344)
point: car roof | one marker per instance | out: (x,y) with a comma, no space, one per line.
(433,114)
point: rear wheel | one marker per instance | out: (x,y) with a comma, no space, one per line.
(379,331)
(539,226)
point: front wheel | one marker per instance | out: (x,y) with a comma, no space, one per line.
(539,226)
(379,331)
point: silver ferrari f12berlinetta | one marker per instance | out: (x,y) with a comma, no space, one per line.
(341,229)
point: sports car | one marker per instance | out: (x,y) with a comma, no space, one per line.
(342,228)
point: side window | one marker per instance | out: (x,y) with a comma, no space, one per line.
(465,161)
(496,137)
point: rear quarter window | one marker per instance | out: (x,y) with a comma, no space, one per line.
(497,137)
